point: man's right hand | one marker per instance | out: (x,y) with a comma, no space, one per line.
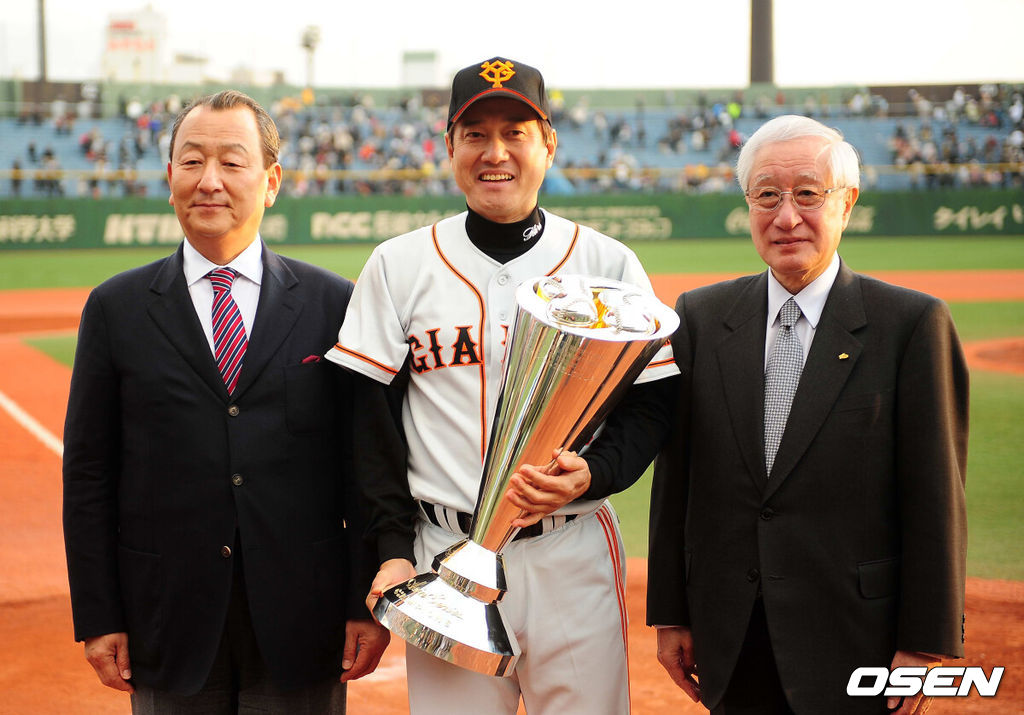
(392,572)
(108,656)
(675,653)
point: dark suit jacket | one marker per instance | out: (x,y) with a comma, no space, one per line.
(161,466)
(858,539)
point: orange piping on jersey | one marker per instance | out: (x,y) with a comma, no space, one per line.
(480,342)
(359,356)
(666,361)
(572,245)
(605,519)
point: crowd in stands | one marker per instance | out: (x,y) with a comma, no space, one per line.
(350,146)
(935,155)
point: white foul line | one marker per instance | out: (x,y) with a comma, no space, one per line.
(32,425)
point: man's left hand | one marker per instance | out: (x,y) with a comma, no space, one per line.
(916,704)
(365,641)
(539,491)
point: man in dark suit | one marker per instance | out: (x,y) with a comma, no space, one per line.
(807,514)
(206,491)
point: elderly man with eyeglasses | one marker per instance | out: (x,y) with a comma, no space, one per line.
(807,514)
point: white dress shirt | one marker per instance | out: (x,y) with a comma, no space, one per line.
(811,301)
(245,289)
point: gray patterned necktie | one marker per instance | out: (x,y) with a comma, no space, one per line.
(781,377)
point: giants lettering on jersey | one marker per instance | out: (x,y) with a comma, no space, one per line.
(444,348)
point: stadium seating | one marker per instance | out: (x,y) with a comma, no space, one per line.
(640,158)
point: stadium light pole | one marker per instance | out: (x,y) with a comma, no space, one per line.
(310,39)
(762,51)
(41,5)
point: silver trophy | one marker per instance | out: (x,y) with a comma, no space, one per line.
(576,346)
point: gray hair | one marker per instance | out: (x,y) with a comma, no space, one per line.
(270,141)
(843,162)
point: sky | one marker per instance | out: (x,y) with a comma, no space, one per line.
(640,43)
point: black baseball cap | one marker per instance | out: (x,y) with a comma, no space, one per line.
(498,77)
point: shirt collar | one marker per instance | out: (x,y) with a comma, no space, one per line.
(248,263)
(811,299)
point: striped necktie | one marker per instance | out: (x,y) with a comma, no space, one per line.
(229,341)
(781,377)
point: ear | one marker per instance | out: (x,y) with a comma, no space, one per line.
(552,144)
(273,185)
(848,201)
(448,145)
(170,199)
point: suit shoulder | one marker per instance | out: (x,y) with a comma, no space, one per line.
(131,281)
(876,286)
(715,293)
(898,299)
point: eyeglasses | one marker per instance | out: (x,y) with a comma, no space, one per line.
(807,198)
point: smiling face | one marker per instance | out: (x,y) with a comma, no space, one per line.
(798,244)
(219,186)
(499,155)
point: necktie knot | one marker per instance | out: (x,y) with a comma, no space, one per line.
(222,278)
(789,314)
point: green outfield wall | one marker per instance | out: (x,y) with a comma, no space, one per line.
(95,223)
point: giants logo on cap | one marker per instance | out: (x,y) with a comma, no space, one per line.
(497,71)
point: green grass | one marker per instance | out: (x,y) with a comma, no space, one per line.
(995,479)
(862,253)
(60,347)
(88,267)
(632,508)
(988,321)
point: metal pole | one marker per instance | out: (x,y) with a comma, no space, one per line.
(41,4)
(762,52)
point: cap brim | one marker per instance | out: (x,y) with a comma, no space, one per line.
(496,92)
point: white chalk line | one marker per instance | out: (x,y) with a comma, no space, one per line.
(32,425)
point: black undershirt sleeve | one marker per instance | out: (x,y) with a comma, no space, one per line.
(381,457)
(632,436)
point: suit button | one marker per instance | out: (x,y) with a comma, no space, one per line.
(237,480)
(767,514)
(233,410)
(752,575)
(225,551)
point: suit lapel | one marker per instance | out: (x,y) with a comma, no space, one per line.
(276,313)
(824,374)
(741,362)
(175,316)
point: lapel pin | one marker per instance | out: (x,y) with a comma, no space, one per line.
(843,356)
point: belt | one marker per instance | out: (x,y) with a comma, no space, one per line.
(458,522)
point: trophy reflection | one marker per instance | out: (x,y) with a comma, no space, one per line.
(576,346)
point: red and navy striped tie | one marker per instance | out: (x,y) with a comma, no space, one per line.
(229,341)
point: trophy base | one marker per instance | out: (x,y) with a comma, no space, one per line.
(428,613)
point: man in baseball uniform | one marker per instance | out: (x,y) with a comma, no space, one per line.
(425,334)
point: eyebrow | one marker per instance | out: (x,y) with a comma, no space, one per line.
(801,178)
(231,146)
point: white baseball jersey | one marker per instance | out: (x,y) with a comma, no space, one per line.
(431,292)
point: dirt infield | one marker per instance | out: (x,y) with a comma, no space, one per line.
(43,671)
